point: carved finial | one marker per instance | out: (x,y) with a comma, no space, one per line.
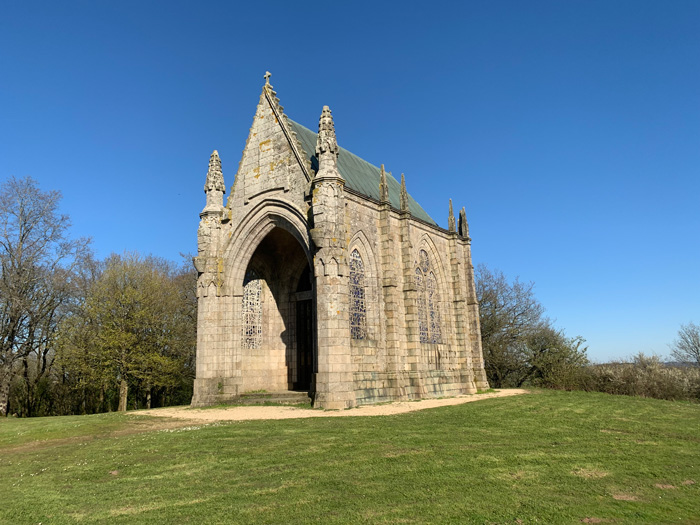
(267,77)
(463,225)
(214,187)
(326,145)
(215,177)
(383,186)
(404,194)
(451,219)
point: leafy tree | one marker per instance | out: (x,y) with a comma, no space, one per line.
(134,331)
(686,348)
(37,265)
(185,282)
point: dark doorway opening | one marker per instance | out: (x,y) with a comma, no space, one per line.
(305,345)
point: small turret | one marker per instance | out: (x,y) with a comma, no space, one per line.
(451,219)
(383,186)
(214,187)
(403,197)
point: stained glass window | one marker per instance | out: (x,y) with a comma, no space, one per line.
(252,310)
(358,305)
(433,301)
(422,310)
(429,322)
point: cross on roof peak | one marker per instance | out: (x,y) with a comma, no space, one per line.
(267,77)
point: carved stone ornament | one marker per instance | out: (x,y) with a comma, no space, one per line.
(215,177)
(327,145)
(404,194)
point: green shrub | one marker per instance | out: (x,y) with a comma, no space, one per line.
(646,376)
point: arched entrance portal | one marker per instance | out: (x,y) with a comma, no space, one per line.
(278,316)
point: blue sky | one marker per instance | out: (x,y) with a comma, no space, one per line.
(570,130)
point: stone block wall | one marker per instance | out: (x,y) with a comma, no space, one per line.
(391,362)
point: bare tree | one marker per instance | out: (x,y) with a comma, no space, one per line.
(686,348)
(520,345)
(36,263)
(508,313)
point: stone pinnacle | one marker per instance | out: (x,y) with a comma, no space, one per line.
(463,225)
(404,194)
(451,219)
(327,145)
(383,187)
(215,177)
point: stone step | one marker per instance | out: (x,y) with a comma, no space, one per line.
(287,397)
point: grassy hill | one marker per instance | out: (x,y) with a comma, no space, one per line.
(548,457)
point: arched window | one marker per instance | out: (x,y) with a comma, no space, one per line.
(358,312)
(422,308)
(433,299)
(429,322)
(252,310)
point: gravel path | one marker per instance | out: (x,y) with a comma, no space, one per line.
(243,413)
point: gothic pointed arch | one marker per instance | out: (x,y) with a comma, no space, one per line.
(430,327)
(363,296)
(358,297)
(433,325)
(258,223)
(427,244)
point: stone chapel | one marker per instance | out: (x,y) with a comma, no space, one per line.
(321,274)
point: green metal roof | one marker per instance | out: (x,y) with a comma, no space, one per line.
(359,174)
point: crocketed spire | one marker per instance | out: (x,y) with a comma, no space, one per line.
(383,187)
(327,146)
(403,197)
(215,177)
(463,225)
(451,219)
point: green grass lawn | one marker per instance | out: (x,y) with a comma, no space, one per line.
(548,457)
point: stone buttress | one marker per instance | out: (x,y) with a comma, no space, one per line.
(334,387)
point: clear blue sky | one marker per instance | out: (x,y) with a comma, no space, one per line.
(570,130)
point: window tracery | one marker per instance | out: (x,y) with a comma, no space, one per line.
(358,303)
(252,310)
(429,321)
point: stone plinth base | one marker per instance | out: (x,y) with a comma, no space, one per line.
(381,387)
(213,391)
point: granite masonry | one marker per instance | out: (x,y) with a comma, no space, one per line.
(322,274)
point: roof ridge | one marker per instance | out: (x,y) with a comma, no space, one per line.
(347,157)
(388,173)
(294,142)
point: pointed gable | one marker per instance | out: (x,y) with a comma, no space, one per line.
(272,159)
(359,175)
